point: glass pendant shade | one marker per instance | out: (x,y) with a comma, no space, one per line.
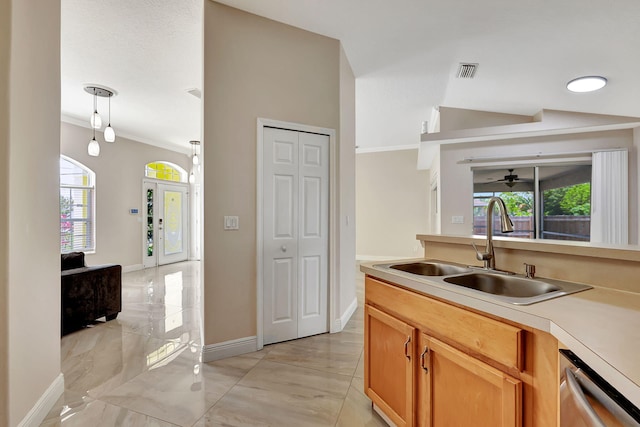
(96,120)
(192,178)
(94,148)
(196,159)
(109,134)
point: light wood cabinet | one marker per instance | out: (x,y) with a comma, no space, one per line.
(429,363)
(459,390)
(390,370)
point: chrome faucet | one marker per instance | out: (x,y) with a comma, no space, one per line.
(488,257)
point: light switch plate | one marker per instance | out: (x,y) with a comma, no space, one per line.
(457,219)
(231,223)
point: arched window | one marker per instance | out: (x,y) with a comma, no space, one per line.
(165,171)
(77,207)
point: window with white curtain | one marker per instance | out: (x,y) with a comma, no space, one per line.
(77,207)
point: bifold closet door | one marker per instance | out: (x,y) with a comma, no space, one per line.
(295,234)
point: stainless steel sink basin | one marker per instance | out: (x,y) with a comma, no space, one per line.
(498,284)
(430,268)
(516,290)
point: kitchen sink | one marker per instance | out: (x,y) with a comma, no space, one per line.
(430,268)
(492,284)
(509,286)
(515,290)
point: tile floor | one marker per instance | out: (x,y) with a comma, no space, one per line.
(145,369)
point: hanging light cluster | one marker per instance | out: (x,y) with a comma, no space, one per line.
(96,121)
(195,160)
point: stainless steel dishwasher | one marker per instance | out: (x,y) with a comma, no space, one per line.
(587,400)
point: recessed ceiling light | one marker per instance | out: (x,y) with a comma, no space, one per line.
(586,84)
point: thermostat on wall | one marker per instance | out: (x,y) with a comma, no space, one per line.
(133,211)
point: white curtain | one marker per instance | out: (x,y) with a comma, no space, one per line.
(610,197)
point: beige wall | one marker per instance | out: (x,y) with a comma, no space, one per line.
(33,303)
(119,173)
(392,199)
(5,84)
(457,178)
(253,67)
(347,160)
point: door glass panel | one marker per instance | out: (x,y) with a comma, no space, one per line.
(172,222)
(150,222)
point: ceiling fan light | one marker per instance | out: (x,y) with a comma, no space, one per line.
(109,134)
(586,84)
(93,148)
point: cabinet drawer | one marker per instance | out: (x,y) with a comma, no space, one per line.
(475,333)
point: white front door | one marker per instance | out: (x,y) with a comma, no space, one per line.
(172,224)
(166,216)
(295,239)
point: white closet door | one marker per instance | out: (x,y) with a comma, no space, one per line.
(295,235)
(313,241)
(280,227)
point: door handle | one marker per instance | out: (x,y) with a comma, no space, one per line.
(283,248)
(406,348)
(426,350)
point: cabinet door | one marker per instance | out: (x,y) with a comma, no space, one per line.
(463,391)
(389,365)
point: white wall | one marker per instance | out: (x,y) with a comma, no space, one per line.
(392,199)
(457,178)
(119,173)
(31,352)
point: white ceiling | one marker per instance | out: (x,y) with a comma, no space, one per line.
(404,55)
(149,51)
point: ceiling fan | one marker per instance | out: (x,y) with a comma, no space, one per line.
(509,180)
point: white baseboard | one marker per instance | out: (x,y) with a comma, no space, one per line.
(340,323)
(38,413)
(230,348)
(130,268)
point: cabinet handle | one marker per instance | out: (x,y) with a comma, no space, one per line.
(426,350)
(406,348)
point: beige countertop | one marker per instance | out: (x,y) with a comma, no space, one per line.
(600,325)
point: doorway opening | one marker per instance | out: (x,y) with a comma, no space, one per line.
(166,215)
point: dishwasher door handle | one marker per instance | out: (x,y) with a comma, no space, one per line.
(582,404)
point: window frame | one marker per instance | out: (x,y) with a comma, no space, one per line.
(90,218)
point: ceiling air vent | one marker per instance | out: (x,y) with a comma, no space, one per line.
(466,71)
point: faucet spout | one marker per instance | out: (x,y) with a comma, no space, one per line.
(488,256)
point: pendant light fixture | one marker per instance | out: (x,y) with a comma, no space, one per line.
(96,120)
(93,148)
(109,133)
(194,149)
(195,159)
